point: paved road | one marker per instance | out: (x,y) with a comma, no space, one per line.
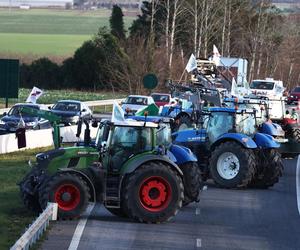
(224,219)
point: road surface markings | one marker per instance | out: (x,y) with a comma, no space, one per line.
(80,227)
(198,243)
(298,183)
(198,211)
(204,188)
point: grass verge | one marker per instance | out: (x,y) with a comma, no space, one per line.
(14,217)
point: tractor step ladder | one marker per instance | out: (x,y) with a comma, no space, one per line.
(112,194)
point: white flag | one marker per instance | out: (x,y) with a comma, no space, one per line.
(216,55)
(34,95)
(117,113)
(192,64)
(233,87)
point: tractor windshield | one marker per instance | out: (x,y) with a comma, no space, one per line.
(163,135)
(219,123)
(132,139)
(245,123)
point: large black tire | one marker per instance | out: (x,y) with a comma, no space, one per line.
(269,169)
(153,193)
(69,191)
(182,122)
(293,134)
(28,195)
(192,181)
(243,175)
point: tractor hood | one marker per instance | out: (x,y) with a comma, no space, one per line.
(272,129)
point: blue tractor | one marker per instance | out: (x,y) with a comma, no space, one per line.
(231,151)
(289,145)
(191,100)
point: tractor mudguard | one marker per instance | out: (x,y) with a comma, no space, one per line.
(265,141)
(191,135)
(245,140)
(272,129)
(133,164)
(182,154)
(85,178)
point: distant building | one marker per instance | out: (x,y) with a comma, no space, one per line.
(36,3)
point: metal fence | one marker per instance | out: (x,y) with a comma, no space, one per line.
(37,228)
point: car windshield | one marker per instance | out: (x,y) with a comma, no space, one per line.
(67,106)
(297,89)
(161,98)
(136,100)
(16,110)
(262,85)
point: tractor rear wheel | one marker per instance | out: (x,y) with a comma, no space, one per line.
(192,180)
(293,134)
(69,191)
(269,169)
(153,193)
(232,165)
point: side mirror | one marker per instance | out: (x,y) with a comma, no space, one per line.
(49,107)
(94,124)
(84,110)
(4,114)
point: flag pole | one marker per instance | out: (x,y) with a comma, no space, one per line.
(182,75)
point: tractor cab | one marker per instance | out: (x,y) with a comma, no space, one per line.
(119,142)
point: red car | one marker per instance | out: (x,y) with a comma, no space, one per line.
(294,95)
(161,99)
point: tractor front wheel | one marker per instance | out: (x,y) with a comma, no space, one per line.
(232,165)
(153,193)
(69,191)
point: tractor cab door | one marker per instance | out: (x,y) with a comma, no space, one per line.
(125,142)
(219,123)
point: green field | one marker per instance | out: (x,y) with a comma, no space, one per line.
(52,96)
(14,217)
(49,32)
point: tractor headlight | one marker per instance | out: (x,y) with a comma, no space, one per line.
(2,122)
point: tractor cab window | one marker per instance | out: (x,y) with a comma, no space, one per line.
(102,135)
(132,139)
(163,135)
(126,142)
(219,124)
(245,123)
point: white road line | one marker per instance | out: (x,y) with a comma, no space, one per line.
(298,183)
(198,243)
(198,211)
(80,227)
(205,188)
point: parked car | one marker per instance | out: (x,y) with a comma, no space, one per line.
(9,122)
(294,95)
(135,102)
(161,99)
(71,110)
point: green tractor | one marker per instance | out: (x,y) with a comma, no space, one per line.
(128,168)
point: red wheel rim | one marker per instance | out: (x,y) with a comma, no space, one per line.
(67,196)
(155,193)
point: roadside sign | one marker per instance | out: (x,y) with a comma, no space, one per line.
(9,78)
(150,81)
